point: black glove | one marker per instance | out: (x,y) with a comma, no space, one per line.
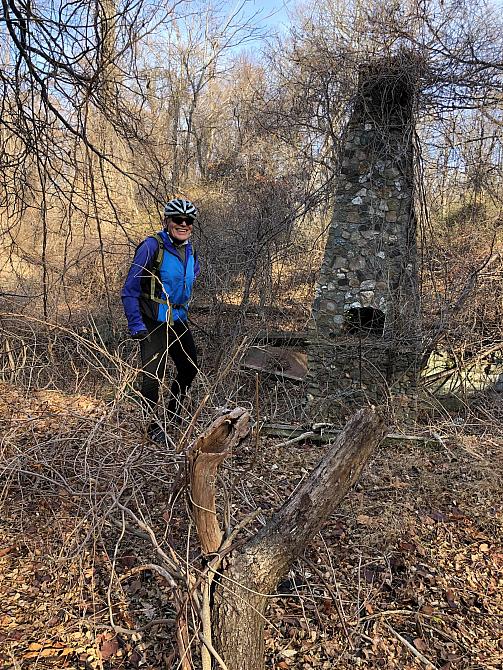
(140,335)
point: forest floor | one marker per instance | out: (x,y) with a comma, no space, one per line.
(409,570)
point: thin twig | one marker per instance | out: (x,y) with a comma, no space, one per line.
(335,598)
(294,440)
(129,529)
(386,613)
(427,663)
(187,434)
(135,631)
(206,623)
(439,439)
(148,566)
(175,573)
(213,651)
(257,418)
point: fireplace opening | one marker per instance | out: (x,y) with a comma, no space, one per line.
(364,321)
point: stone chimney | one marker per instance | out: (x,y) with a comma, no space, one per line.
(364,335)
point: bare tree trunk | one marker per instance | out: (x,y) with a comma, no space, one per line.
(249,575)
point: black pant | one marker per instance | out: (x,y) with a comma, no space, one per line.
(177,342)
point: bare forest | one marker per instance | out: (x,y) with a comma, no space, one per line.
(252,539)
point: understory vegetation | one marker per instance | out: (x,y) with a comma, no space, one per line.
(109,109)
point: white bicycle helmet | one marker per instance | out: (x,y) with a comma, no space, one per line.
(180,207)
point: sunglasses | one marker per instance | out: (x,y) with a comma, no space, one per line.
(179,220)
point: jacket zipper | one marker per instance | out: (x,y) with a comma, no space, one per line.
(174,253)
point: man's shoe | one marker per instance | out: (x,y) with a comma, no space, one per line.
(157,434)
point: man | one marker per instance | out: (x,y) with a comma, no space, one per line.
(156,296)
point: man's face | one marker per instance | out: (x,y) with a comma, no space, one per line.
(179,227)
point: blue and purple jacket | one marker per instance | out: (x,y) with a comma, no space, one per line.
(176,282)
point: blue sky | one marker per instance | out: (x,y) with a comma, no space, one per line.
(271,14)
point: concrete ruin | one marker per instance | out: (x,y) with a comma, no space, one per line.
(364,336)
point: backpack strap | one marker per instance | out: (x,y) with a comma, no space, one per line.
(154,273)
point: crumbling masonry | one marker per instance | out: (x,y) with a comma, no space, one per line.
(364,337)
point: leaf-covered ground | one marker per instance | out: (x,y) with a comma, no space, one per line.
(408,571)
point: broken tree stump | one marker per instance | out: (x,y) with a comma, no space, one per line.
(208,451)
(250,573)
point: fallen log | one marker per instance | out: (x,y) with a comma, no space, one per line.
(324,433)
